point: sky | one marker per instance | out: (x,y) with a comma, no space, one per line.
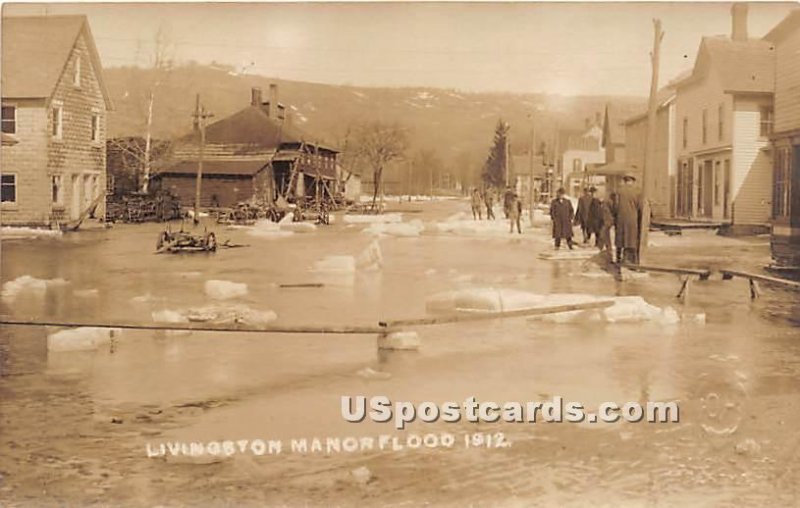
(561,48)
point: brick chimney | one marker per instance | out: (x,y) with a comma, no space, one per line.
(739,22)
(255,96)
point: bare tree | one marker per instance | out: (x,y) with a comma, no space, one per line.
(160,64)
(378,144)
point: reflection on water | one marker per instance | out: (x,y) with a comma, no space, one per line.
(745,358)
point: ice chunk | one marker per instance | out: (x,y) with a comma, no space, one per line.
(81,339)
(370,258)
(399,340)
(564,254)
(483,300)
(27,284)
(370,373)
(224,290)
(86,293)
(406,229)
(298,227)
(338,264)
(169,316)
(264,228)
(231,314)
(13,232)
(385,218)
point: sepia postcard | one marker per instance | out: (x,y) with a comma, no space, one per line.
(400,254)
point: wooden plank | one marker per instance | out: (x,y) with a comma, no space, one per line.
(201,327)
(728,274)
(702,273)
(483,316)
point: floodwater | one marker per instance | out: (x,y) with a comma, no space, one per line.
(75,426)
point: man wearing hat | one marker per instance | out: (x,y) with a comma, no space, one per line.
(561,213)
(629,216)
(582,214)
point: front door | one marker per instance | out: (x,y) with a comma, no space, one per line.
(75,198)
(707,189)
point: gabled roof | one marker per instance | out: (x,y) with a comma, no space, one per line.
(663,97)
(35,52)
(741,66)
(253,126)
(789,24)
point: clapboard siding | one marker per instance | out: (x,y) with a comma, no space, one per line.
(787,90)
(752,165)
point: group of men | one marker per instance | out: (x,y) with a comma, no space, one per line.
(512,206)
(622,210)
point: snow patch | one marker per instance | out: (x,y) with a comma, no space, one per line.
(12,232)
(374,219)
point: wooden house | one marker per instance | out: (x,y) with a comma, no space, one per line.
(54,103)
(254,154)
(785,238)
(724,117)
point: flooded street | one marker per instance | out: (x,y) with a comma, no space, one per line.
(75,425)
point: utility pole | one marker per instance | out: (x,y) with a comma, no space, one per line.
(530,182)
(650,140)
(505,154)
(200,115)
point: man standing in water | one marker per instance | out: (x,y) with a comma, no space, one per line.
(629,216)
(562,214)
(515,212)
(476,204)
(488,198)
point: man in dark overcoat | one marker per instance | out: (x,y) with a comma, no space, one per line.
(582,214)
(629,216)
(562,214)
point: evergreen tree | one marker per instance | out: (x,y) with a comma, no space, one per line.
(494,170)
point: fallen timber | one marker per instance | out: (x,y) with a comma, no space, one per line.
(685,275)
(755,278)
(383,327)
(483,316)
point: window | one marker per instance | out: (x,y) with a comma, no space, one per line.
(685,131)
(721,121)
(56,128)
(9,119)
(76,73)
(705,126)
(8,188)
(577,165)
(780,191)
(766,121)
(95,127)
(57,190)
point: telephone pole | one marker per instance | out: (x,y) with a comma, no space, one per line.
(650,140)
(200,116)
(530,183)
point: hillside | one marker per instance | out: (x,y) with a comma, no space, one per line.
(457,125)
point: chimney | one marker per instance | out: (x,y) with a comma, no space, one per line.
(739,22)
(255,96)
(272,112)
